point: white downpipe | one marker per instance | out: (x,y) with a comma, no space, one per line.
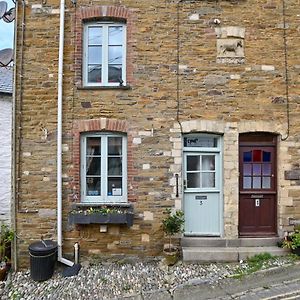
(59,135)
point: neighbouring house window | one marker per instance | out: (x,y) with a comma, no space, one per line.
(104,60)
(104,168)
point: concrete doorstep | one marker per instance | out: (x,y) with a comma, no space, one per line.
(227,254)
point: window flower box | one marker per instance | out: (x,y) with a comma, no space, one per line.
(102,216)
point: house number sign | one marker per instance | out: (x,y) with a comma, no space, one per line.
(201,198)
(209,142)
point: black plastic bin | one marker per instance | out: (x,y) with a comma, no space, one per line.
(42,259)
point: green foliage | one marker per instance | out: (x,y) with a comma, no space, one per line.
(295,240)
(15,295)
(173,223)
(6,236)
(127,287)
(293,257)
(260,258)
(292,241)
(254,263)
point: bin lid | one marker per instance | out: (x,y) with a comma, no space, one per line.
(43,247)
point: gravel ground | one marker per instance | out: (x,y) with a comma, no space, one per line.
(118,279)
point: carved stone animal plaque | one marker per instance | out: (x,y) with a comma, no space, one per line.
(230,44)
(230,48)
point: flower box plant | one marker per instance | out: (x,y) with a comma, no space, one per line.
(102,215)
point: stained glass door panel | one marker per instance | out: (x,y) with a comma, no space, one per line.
(257,169)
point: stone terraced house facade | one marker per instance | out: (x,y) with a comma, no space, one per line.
(190,105)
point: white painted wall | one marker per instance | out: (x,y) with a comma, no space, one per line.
(5,159)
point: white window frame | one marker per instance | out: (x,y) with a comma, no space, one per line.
(200,151)
(104,197)
(105,26)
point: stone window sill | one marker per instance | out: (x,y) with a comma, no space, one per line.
(126,87)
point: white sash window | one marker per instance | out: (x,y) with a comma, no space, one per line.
(104,168)
(104,60)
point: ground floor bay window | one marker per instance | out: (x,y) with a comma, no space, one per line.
(103,168)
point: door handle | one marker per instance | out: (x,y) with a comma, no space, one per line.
(177,188)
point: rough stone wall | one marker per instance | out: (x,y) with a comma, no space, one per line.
(248,94)
(5,156)
(229,91)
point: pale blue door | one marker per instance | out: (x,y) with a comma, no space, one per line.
(202,186)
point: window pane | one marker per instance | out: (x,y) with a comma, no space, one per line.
(247,169)
(93,166)
(93,185)
(247,183)
(115,74)
(94,73)
(93,146)
(208,162)
(95,55)
(208,180)
(208,142)
(95,36)
(114,186)
(193,163)
(266,183)
(266,169)
(248,156)
(114,166)
(257,169)
(115,55)
(114,146)
(115,35)
(256,182)
(266,156)
(193,180)
(257,155)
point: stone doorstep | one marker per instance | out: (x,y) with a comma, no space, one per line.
(221,242)
(227,254)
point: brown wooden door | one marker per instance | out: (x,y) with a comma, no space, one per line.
(257,201)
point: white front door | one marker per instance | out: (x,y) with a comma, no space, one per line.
(202,185)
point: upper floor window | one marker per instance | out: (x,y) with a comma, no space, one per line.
(104,59)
